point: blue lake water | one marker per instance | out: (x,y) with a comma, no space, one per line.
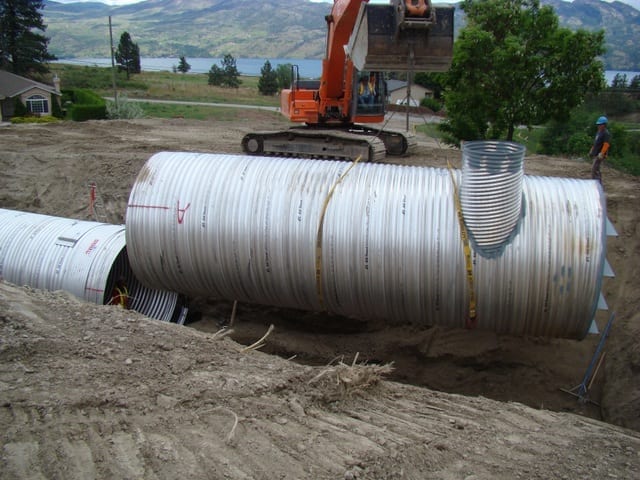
(610,74)
(309,68)
(246,66)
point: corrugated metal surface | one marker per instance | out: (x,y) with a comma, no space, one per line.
(246,228)
(80,257)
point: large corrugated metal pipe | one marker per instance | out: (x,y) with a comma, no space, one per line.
(81,257)
(369,241)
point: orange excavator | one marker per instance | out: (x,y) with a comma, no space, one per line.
(339,111)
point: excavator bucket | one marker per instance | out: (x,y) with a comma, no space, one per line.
(384,39)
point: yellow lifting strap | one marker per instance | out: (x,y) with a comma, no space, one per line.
(320,228)
(472,320)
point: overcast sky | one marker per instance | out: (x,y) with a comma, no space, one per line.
(633,3)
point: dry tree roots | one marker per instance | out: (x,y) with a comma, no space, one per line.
(342,380)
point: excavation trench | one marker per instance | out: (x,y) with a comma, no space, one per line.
(460,361)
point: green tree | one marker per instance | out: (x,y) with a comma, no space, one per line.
(183,66)
(268,81)
(216,76)
(226,75)
(23,47)
(283,73)
(619,81)
(513,65)
(128,55)
(572,136)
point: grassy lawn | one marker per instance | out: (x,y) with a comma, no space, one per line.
(199,112)
(162,86)
(194,88)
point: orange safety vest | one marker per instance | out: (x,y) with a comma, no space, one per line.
(366,88)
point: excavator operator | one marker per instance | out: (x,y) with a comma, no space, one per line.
(366,91)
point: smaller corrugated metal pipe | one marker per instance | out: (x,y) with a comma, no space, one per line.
(491,193)
(81,257)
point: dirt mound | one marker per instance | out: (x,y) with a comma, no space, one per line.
(89,391)
(99,392)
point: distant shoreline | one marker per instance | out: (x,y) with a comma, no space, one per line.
(309,68)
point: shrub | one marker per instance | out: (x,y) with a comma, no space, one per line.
(578,144)
(82,113)
(431,103)
(19,109)
(572,137)
(56,109)
(124,109)
(84,96)
(87,105)
(625,149)
(34,119)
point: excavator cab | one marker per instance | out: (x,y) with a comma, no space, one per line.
(369,95)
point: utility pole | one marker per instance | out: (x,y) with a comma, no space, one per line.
(113,65)
(409,80)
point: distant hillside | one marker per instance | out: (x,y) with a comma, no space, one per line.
(620,22)
(194,28)
(274,28)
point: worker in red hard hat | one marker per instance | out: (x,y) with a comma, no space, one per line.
(600,148)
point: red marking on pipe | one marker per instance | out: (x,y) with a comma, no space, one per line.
(182,211)
(98,290)
(92,247)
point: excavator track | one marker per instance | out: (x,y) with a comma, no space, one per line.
(370,144)
(396,142)
(315,143)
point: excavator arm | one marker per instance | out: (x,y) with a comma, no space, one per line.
(340,24)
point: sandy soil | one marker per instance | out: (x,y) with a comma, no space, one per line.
(96,392)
